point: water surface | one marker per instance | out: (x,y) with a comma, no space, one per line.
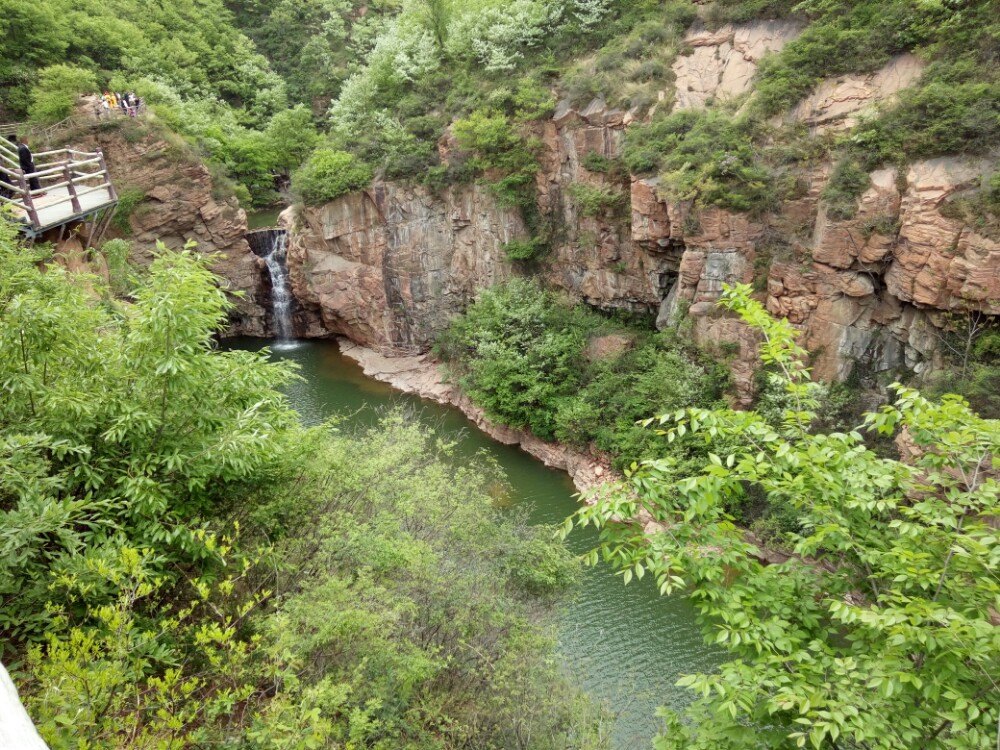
(264,218)
(625,645)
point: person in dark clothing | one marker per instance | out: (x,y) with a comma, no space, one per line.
(27,162)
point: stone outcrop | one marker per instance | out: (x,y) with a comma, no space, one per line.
(604,260)
(836,103)
(864,290)
(941,262)
(721,64)
(845,322)
(867,240)
(389,266)
(179,202)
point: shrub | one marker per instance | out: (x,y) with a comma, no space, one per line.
(128,200)
(653,377)
(518,353)
(517,350)
(122,276)
(594,161)
(845,186)
(497,148)
(57,90)
(937,118)
(705,155)
(329,174)
(533,101)
(596,200)
(528,249)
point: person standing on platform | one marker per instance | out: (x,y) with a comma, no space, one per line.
(27,162)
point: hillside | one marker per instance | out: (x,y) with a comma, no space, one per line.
(838,156)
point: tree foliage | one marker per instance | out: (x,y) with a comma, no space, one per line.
(877,631)
(57,90)
(183,565)
(329,174)
(521,353)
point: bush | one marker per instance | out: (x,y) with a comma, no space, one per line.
(330,174)
(934,119)
(705,155)
(656,376)
(55,95)
(594,161)
(528,249)
(290,137)
(128,200)
(596,200)
(496,146)
(518,352)
(846,185)
(847,38)
(121,275)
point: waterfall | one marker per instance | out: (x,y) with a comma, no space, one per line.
(271,245)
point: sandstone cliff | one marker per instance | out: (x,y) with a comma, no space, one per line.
(388,266)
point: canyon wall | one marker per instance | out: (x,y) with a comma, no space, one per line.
(388,266)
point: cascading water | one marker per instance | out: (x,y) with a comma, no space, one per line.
(271,245)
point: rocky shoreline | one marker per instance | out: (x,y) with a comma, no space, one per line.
(422,376)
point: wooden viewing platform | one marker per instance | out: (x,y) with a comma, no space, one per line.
(75,186)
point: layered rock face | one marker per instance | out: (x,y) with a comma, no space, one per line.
(722,63)
(388,267)
(179,204)
(837,103)
(618,258)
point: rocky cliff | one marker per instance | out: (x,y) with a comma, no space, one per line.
(175,199)
(388,266)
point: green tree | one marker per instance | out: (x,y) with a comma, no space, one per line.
(330,174)
(291,136)
(876,632)
(57,90)
(182,564)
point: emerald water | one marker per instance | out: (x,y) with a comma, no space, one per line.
(625,645)
(263,219)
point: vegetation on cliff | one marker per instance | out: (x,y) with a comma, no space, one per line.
(384,81)
(182,564)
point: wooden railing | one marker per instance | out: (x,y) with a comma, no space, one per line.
(80,173)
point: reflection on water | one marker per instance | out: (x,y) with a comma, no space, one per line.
(625,645)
